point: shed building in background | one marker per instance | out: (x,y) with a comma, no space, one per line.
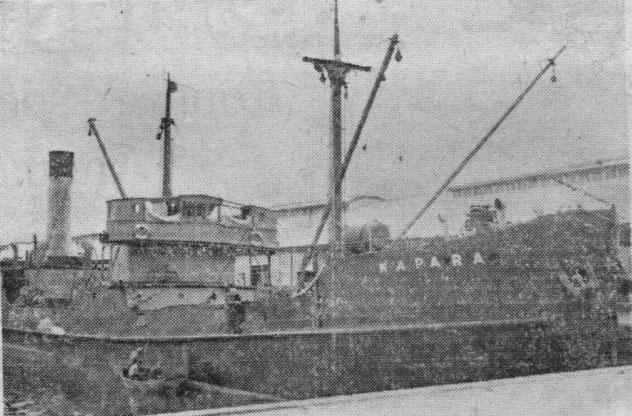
(599,184)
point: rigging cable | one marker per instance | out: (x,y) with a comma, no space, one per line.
(347,160)
(478,146)
(577,189)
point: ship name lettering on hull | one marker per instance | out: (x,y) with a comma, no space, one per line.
(455,260)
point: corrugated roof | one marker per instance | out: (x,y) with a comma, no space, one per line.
(596,164)
(294,206)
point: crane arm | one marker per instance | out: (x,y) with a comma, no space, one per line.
(93,130)
(348,156)
(478,147)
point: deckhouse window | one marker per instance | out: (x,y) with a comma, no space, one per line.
(196,210)
(201,210)
(188,209)
(172,207)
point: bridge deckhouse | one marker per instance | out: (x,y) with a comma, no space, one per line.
(191,219)
(186,241)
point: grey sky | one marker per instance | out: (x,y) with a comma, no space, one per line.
(252,118)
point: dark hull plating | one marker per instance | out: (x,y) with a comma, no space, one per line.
(534,298)
(320,363)
(555,266)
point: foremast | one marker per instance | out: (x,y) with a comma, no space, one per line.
(165,132)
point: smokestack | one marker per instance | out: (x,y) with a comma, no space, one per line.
(60,164)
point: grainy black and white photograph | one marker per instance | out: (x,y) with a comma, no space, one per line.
(322,207)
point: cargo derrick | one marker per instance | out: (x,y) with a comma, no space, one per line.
(339,179)
(93,130)
(336,71)
(493,304)
(560,266)
(174,256)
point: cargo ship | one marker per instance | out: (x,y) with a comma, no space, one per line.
(506,300)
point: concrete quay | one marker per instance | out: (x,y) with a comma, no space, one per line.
(606,391)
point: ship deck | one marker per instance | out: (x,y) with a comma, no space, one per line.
(604,391)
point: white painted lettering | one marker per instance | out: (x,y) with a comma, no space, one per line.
(400,266)
(419,262)
(456,260)
(383,267)
(434,262)
(478,259)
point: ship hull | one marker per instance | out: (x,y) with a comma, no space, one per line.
(151,386)
(534,298)
(559,266)
(317,363)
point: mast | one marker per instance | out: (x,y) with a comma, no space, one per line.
(336,32)
(336,71)
(345,165)
(165,131)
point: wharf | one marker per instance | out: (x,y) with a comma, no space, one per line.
(604,391)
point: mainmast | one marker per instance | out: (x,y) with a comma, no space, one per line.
(336,71)
(165,131)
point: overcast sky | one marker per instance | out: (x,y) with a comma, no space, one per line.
(252,118)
